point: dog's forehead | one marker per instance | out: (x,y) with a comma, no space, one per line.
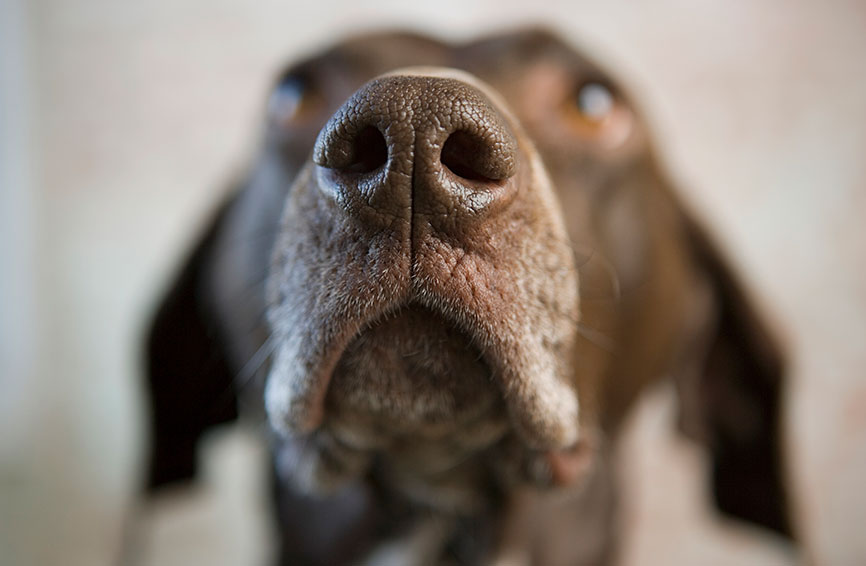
(494,58)
(360,58)
(507,53)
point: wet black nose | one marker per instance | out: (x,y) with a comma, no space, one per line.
(415,144)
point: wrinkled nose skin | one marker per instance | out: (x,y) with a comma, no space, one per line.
(420,191)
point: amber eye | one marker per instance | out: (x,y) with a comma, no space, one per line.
(594,111)
(291,99)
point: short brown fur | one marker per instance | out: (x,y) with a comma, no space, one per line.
(454,341)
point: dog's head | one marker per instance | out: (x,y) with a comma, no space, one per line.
(462,261)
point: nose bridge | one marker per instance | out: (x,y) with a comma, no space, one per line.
(434,134)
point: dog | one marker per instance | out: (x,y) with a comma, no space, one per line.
(448,275)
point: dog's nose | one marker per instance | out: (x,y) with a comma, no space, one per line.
(424,144)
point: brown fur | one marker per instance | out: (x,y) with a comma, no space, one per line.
(462,286)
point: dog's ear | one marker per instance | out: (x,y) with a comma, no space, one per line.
(189,381)
(733,401)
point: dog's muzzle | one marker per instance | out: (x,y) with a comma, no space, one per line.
(422,278)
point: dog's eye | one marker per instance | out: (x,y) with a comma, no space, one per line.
(594,102)
(594,111)
(290,99)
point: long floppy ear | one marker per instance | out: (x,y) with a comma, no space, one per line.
(735,399)
(189,381)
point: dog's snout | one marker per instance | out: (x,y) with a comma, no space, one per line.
(407,144)
(422,197)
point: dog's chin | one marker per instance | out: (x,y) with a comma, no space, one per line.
(412,391)
(411,376)
(414,395)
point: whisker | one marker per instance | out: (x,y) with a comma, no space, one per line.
(596,337)
(249,290)
(605,263)
(586,260)
(583,258)
(255,362)
(244,376)
(614,277)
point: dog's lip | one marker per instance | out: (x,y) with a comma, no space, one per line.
(298,406)
(303,411)
(285,417)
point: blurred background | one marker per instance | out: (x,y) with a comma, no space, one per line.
(121,121)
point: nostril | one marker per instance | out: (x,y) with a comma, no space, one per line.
(458,155)
(475,159)
(369,151)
